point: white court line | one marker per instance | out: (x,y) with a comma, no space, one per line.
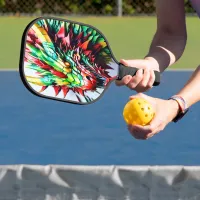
(179,70)
(183,69)
(169,70)
(9,70)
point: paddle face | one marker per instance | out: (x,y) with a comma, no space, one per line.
(66,61)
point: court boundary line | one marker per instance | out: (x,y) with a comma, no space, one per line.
(169,70)
(181,69)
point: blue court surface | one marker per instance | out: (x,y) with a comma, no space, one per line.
(34,130)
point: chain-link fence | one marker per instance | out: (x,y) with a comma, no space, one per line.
(80,7)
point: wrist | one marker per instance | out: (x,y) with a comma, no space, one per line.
(182,107)
(163,56)
(175,108)
(153,62)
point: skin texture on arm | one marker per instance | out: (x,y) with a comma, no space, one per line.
(191,91)
(170,38)
(167,46)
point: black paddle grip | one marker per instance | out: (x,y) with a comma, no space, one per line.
(123,71)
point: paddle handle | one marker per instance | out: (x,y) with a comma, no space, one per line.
(124,71)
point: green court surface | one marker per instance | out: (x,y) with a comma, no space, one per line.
(128,38)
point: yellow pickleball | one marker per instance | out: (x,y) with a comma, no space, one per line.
(138,111)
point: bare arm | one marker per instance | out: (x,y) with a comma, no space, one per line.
(166,48)
(190,92)
(170,38)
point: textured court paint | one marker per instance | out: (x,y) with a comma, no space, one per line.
(39,131)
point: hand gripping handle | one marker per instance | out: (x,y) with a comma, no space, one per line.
(123,71)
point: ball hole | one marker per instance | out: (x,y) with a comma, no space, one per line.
(142,109)
(146,115)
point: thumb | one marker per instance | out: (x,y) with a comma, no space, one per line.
(149,99)
(133,63)
(138,95)
(144,96)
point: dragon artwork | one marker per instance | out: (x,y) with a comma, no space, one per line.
(67,60)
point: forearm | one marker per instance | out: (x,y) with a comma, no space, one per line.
(191,91)
(170,38)
(166,48)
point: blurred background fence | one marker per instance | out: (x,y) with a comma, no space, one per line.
(81,7)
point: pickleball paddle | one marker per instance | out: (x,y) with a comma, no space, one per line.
(68,61)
